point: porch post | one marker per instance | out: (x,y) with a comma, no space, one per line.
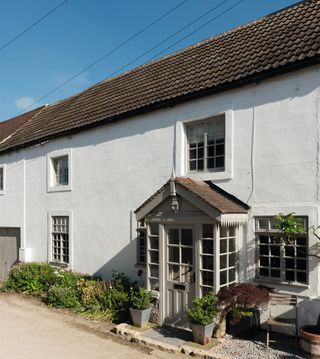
(216,252)
(162,273)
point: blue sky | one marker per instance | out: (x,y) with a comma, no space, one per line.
(81,31)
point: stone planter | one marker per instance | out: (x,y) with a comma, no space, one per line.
(139,317)
(310,341)
(202,333)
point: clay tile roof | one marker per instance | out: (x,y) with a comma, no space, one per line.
(8,127)
(214,196)
(282,41)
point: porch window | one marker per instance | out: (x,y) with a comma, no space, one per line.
(228,256)
(141,244)
(1,179)
(279,261)
(206,145)
(218,257)
(153,256)
(60,239)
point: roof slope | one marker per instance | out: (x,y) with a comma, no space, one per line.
(278,42)
(214,196)
(8,127)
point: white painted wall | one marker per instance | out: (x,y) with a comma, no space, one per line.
(273,133)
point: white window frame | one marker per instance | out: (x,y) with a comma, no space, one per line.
(3,189)
(62,213)
(272,231)
(51,184)
(181,142)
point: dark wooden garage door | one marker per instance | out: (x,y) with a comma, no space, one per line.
(9,249)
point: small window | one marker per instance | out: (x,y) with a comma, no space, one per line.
(1,179)
(141,245)
(279,261)
(60,167)
(60,239)
(206,145)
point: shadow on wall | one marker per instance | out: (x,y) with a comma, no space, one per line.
(121,263)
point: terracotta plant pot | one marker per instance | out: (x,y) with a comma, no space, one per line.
(202,333)
(310,341)
(139,317)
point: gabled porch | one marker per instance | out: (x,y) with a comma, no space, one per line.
(192,230)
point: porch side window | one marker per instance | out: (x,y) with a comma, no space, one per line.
(206,145)
(1,179)
(60,239)
(141,243)
(153,257)
(218,257)
(228,256)
(279,261)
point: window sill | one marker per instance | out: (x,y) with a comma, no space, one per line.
(64,188)
(59,265)
(286,284)
(1,193)
(210,176)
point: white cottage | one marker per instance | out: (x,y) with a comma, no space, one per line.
(84,182)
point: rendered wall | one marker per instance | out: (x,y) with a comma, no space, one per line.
(275,168)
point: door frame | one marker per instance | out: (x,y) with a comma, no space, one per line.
(163,235)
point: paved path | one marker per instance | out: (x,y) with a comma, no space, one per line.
(30,330)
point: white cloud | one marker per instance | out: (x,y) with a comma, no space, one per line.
(23,102)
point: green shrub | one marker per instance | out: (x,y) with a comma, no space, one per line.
(116,303)
(204,309)
(64,292)
(140,299)
(31,278)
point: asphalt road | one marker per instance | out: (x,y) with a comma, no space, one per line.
(30,330)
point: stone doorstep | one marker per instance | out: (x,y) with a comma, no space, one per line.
(128,332)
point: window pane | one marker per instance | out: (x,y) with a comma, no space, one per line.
(187,255)
(275,273)
(264,272)
(174,236)
(223,245)
(275,250)
(154,256)
(232,259)
(154,242)
(263,239)
(186,237)
(192,136)
(154,229)
(223,277)
(207,246)
(193,165)
(263,223)
(232,244)
(301,264)
(302,241)
(223,261)
(207,231)
(263,250)
(289,263)
(232,275)
(154,271)
(173,272)
(219,162)
(200,165)
(200,152)
(207,278)
(302,277)
(207,262)
(289,275)
(264,261)
(210,163)
(211,151)
(192,154)
(174,254)
(289,251)
(275,262)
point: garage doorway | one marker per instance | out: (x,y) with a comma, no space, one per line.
(9,249)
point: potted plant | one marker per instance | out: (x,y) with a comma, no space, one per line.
(140,307)
(240,305)
(202,316)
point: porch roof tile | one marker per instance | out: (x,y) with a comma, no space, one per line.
(214,196)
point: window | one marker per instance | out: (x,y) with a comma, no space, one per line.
(279,261)
(206,145)
(60,171)
(60,239)
(1,179)
(153,257)
(215,250)
(141,243)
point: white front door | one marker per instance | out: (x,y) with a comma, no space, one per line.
(179,274)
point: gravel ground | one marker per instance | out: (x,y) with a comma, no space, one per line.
(253,349)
